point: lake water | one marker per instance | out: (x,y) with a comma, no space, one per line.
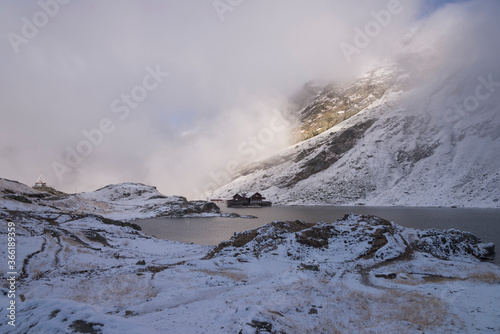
(485,223)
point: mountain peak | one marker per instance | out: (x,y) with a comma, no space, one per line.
(381,141)
(322,106)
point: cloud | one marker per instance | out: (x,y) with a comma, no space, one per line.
(227,78)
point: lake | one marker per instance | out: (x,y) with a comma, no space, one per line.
(485,223)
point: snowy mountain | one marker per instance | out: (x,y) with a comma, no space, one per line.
(421,140)
(125,202)
(322,106)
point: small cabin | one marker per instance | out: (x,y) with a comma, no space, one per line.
(238,197)
(257,197)
(242,200)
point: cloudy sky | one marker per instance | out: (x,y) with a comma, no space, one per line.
(177,94)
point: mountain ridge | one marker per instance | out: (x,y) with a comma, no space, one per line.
(124,201)
(417,151)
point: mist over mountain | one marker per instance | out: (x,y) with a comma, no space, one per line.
(181,95)
(422,130)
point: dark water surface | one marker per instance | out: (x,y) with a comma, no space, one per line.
(485,223)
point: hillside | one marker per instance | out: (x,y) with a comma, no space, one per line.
(322,106)
(414,145)
(78,275)
(125,201)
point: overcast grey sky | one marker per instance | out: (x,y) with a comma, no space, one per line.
(169,92)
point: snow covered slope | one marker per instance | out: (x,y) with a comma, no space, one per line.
(125,201)
(416,145)
(77,275)
(322,106)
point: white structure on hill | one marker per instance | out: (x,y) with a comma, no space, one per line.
(40,183)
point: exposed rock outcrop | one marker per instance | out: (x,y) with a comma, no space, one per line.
(367,239)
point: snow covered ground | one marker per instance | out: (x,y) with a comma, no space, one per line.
(125,201)
(358,274)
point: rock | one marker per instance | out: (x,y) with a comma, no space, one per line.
(141,263)
(260,239)
(445,244)
(129,313)
(109,221)
(313,311)
(312,267)
(316,236)
(261,326)
(93,235)
(388,276)
(19,198)
(82,326)
(366,238)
